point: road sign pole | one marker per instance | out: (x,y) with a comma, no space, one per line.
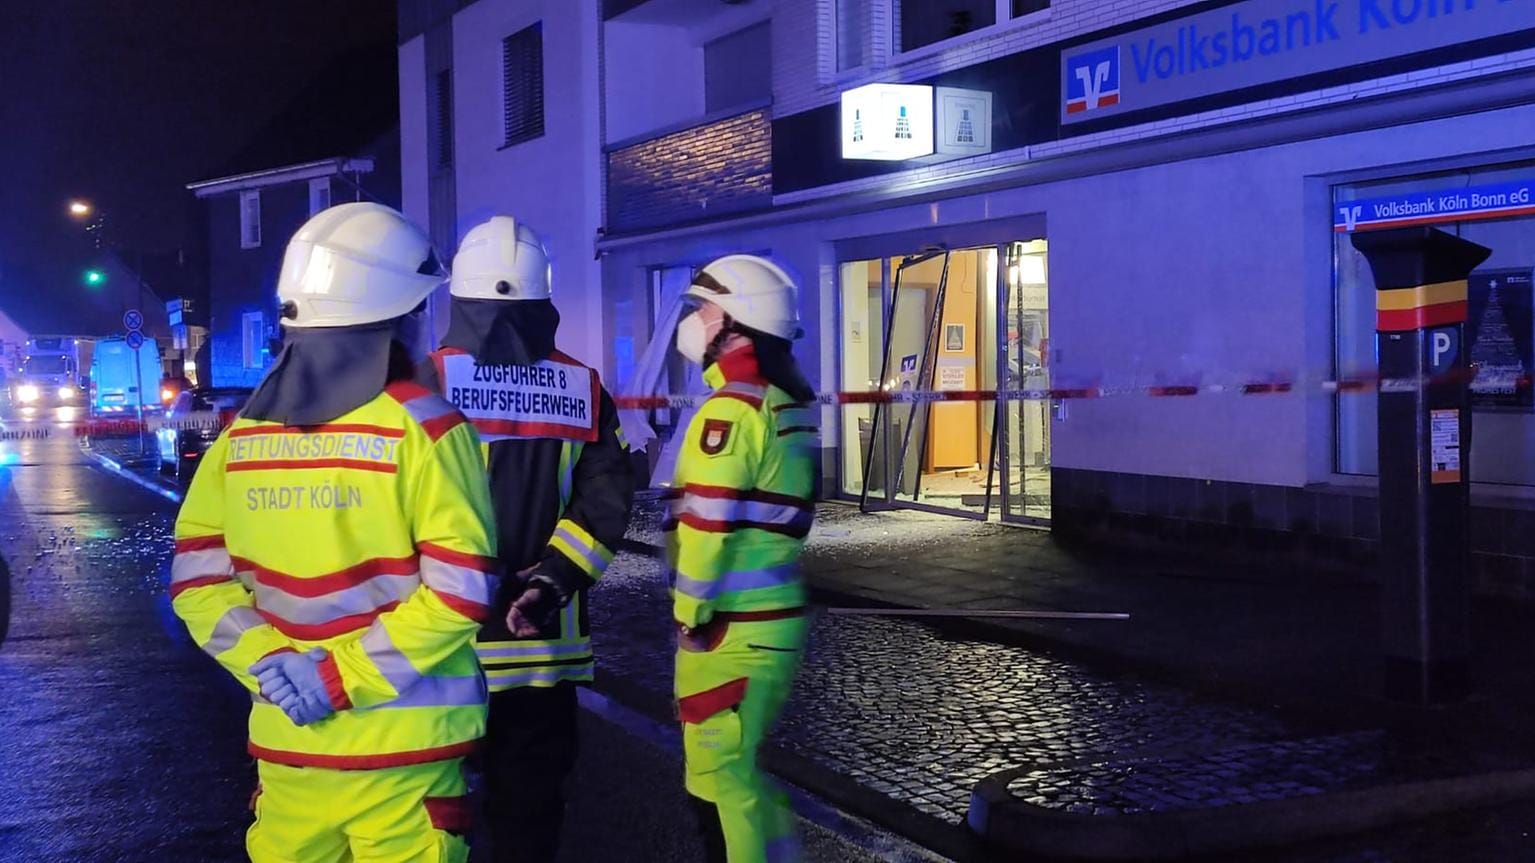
(132,321)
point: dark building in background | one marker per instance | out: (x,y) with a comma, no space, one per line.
(337,142)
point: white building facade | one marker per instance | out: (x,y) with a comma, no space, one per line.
(1122,201)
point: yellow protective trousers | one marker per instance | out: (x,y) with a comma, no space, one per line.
(733,676)
(414,814)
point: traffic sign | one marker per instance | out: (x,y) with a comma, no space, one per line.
(135,340)
(133,319)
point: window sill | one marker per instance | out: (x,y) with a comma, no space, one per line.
(1483,494)
(925,52)
(518,143)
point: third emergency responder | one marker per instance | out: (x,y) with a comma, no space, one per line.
(744,496)
(335,554)
(561,485)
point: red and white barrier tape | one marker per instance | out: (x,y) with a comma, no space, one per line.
(1339,386)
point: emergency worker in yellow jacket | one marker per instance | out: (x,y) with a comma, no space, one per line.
(561,486)
(335,554)
(743,502)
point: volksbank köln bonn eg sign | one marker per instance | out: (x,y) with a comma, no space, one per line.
(1264,41)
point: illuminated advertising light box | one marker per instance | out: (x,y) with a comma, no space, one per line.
(887,122)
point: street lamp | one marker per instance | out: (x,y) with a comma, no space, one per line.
(81,209)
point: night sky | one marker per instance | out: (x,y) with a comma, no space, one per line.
(124,102)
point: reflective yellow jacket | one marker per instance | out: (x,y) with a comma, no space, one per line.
(369,536)
(743,497)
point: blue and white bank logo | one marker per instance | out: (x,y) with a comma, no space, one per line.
(1092,80)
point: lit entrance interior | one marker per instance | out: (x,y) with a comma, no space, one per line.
(929,323)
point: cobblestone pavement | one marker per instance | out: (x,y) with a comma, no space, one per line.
(922,719)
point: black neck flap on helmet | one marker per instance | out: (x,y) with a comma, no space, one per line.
(324,373)
(503,332)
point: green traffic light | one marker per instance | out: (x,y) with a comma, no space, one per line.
(95,277)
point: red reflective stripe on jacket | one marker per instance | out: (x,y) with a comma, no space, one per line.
(180,587)
(487,565)
(362,762)
(312,464)
(722,492)
(327,428)
(329,629)
(331,582)
(404,391)
(436,427)
(708,525)
(449,814)
(330,675)
(468,608)
(699,706)
(199,543)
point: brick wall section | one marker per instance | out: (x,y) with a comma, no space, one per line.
(710,170)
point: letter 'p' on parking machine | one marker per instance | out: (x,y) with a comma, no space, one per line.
(1424,438)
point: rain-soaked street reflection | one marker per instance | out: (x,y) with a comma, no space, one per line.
(116,734)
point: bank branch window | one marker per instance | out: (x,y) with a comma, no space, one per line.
(1494,207)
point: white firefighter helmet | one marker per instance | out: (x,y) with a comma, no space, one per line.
(501,259)
(357,263)
(754,291)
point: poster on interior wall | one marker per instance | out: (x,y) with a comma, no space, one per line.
(954,338)
(908,377)
(952,376)
(1500,328)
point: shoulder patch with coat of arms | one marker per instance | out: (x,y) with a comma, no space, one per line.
(716,437)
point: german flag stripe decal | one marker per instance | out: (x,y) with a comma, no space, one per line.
(1422,306)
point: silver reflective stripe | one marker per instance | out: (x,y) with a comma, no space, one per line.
(569,453)
(226,633)
(696,588)
(499,680)
(425,408)
(440,692)
(539,649)
(729,510)
(362,598)
(390,662)
(188,565)
(461,581)
(744,389)
(753,579)
(598,562)
(732,582)
(570,619)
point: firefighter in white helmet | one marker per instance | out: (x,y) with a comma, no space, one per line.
(743,503)
(335,554)
(561,483)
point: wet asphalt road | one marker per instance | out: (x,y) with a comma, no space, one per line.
(120,741)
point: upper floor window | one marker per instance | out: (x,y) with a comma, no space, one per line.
(319,195)
(522,84)
(919,23)
(853,33)
(738,69)
(253,349)
(250,219)
(442,120)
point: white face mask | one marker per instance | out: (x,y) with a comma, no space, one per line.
(693,338)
